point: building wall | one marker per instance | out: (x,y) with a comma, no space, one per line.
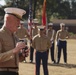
(71,27)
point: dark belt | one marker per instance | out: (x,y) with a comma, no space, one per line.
(9,67)
(14,69)
(8,73)
(41,51)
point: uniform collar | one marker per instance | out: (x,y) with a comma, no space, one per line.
(8,31)
(41,35)
(50,29)
(62,30)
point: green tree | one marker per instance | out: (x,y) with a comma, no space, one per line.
(59,9)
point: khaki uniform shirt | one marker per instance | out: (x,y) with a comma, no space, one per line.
(34,31)
(41,43)
(7,43)
(62,34)
(51,34)
(21,32)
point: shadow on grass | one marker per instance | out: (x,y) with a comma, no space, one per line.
(63,65)
(59,65)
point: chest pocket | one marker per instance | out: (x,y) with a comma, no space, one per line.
(8,44)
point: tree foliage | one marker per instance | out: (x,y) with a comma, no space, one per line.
(55,9)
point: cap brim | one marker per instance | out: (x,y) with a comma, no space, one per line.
(17,16)
(50,25)
(41,28)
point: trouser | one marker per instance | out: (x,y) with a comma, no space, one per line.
(31,53)
(62,45)
(8,73)
(44,57)
(52,52)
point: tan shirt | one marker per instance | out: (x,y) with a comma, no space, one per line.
(51,34)
(21,32)
(62,34)
(34,31)
(41,43)
(7,43)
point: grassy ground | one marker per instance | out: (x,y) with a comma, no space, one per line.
(55,69)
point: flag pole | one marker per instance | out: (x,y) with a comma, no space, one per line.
(44,16)
(44,13)
(46,26)
(30,18)
(30,22)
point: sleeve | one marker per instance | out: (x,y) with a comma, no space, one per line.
(16,33)
(27,34)
(33,43)
(67,34)
(49,43)
(5,56)
(57,35)
(54,35)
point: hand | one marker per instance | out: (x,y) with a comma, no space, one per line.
(25,53)
(19,46)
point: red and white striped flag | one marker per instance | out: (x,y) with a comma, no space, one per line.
(30,26)
(30,19)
